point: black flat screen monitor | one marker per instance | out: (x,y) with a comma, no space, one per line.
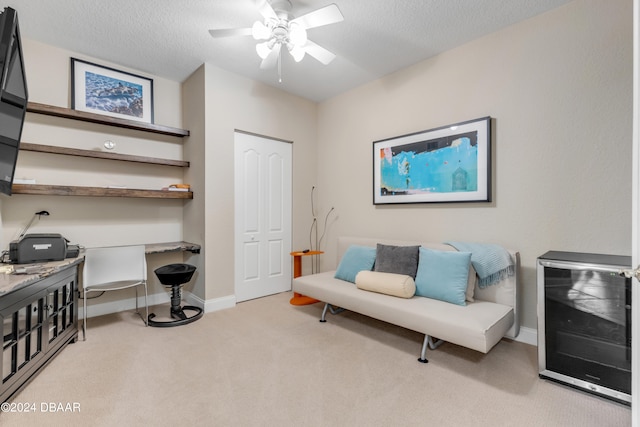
(13,96)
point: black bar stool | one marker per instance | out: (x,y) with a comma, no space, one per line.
(176,275)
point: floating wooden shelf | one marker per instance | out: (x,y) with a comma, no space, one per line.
(66,190)
(50,110)
(100,155)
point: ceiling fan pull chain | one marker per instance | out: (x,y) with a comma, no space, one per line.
(280,66)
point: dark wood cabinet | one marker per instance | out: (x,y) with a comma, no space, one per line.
(38,321)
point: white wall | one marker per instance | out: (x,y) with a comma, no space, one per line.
(233,102)
(211,104)
(95,221)
(559,88)
(194,214)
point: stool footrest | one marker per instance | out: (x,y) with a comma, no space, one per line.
(179,316)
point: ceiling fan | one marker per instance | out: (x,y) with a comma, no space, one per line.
(281,30)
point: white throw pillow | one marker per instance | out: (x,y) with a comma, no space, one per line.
(398,285)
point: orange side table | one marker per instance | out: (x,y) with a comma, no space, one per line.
(299,299)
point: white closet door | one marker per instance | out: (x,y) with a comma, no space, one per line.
(262,216)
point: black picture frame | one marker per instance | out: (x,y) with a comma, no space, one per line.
(448,164)
(104,90)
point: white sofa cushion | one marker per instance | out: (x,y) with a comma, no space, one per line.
(505,292)
(479,325)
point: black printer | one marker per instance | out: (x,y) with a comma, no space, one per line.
(32,248)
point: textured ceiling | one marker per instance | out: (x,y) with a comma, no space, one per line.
(170,39)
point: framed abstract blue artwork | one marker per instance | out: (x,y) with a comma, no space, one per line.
(443,165)
(110,92)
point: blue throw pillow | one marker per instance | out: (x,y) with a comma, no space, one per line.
(443,275)
(354,260)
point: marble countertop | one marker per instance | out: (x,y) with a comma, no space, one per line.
(155,248)
(10,281)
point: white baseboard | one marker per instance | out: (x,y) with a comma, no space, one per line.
(217,304)
(528,336)
(211,305)
(94,310)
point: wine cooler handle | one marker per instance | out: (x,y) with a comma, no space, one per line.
(631,273)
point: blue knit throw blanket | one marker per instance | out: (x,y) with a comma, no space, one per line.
(492,262)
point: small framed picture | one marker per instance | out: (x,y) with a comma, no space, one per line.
(107,91)
(444,165)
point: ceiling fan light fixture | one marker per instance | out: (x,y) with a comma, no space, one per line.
(279,28)
(263,49)
(259,31)
(297,52)
(297,34)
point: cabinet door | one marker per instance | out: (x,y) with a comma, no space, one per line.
(62,309)
(36,321)
(22,331)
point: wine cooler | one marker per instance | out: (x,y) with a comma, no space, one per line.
(584,322)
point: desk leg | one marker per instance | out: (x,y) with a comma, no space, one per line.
(297,266)
(299,299)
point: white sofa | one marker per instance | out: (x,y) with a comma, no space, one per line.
(478,325)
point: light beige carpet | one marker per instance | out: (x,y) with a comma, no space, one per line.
(267,363)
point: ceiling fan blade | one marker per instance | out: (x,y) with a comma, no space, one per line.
(318,52)
(271,59)
(230,32)
(266,10)
(323,16)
